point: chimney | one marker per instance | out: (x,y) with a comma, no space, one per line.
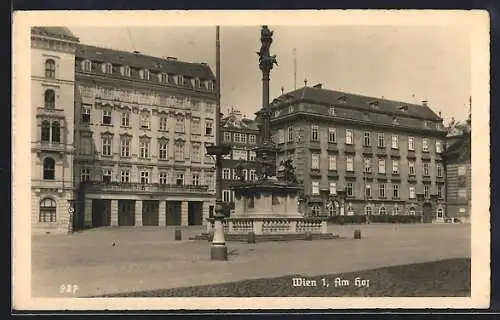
(318,86)
(305,82)
(171,58)
(136,52)
(424,103)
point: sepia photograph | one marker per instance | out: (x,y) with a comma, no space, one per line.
(281,156)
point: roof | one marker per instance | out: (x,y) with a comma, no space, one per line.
(138,60)
(234,120)
(58,32)
(456,129)
(325,96)
(460,149)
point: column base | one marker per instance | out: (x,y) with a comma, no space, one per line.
(218,253)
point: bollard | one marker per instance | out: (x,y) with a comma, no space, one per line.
(309,236)
(357,234)
(251,237)
(178,235)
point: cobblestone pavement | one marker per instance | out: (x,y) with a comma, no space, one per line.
(148,258)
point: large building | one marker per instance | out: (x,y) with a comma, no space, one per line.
(120,136)
(458,170)
(382,154)
(52,135)
(242,134)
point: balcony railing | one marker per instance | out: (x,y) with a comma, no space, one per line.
(48,146)
(120,187)
(51,113)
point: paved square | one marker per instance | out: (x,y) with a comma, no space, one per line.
(148,258)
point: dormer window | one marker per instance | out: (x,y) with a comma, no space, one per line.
(87,65)
(342,99)
(180,80)
(196,83)
(374,104)
(163,78)
(146,74)
(403,108)
(290,109)
(331,111)
(108,68)
(210,85)
(126,71)
(144,119)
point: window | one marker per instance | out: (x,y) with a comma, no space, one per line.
(348,136)
(350,163)
(144,145)
(163,177)
(290,134)
(411,143)
(395,142)
(439,212)
(209,180)
(243,138)
(381,140)
(49,99)
(106,175)
(210,85)
(146,74)
(315,188)
(45,134)
(440,191)
(350,189)
(333,188)
(179,151)
(108,68)
(208,127)
(227,136)
(367,140)
(368,165)
(50,69)
(368,190)
(461,170)
(239,154)
(196,179)
(412,193)
(56,132)
(47,210)
(439,147)
(381,190)
(125,147)
(332,135)
(179,179)
(107,146)
(426,169)
(425,145)
(382,211)
(314,161)
(427,191)
(106,116)
(125,176)
(125,119)
(314,132)
(395,166)
(368,210)
(144,122)
(381,166)
(237,137)
(226,196)
(226,174)
(253,175)
(411,211)
(411,167)
(163,125)
(179,124)
(462,193)
(315,210)
(395,211)
(126,71)
(331,111)
(252,156)
(87,66)
(163,150)
(395,191)
(85,113)
(195,153)
(439,170)
(84,174)
(144,177)
(332,162)
(48,169)
(251,138)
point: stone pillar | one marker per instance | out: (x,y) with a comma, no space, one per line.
(184,213)
(162,213)
(88,213)
(257,227)
(138,213)
(114,213)
(324,226)
(293,226)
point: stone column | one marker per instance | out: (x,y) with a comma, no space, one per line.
(114,213)
(184,213)
(162,213)
(138,213)
(88,213)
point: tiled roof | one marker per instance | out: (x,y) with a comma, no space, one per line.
(142,61)
(323,96)
(59,32)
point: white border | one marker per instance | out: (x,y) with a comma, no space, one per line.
(21,156)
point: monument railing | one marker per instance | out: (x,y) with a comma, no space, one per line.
(271,225)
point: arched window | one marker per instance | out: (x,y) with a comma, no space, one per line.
(332,209)
(411,211)
(50,69)
(382,211)
(48,169)
(368,210)
(315,210)
(56,132)
(50,99)
(47,210)
(440,212)
(45,135)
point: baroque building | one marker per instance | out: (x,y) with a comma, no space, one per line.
(52,135)
(141,127)
(384,157)
(242,135)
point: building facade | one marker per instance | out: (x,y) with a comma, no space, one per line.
(458,170)
(242,135)
(381,154)
(52,135)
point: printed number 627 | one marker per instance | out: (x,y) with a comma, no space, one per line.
(68,288)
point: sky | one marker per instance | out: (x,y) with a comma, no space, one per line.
(403,63)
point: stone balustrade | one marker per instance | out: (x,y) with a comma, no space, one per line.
(271,225)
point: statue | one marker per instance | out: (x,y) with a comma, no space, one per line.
(266,60)
(289,171)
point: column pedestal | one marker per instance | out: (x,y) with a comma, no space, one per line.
(114,213)
(138,213)
(184,214)
(162,213)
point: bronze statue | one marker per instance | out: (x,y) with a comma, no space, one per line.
(266,60)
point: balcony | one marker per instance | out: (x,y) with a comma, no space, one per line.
(50,113)
(412,178)
(139,188)
(367,150)
(48,146)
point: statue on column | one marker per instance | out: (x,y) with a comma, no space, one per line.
(266,60)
